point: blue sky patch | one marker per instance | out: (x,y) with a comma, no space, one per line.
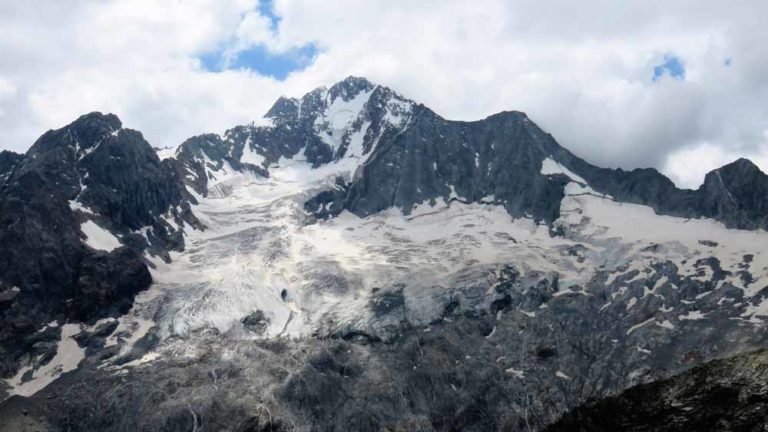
(267,9)
(258,58)
(671,66)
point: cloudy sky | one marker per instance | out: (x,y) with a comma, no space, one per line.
(681,86)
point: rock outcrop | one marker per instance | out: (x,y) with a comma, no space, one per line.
(90,173)
(721,395)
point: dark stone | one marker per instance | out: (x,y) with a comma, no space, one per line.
(257,322)
(720,395)
(117,177)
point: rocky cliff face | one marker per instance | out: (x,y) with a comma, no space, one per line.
(77,210)
(722,395)
(8,160)
(354,260)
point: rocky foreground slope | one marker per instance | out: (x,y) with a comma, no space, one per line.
(353,261)
(721,395)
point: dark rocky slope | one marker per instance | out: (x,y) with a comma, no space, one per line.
(92,169)
(472,369)
(8,160)
(198,157)
(734,194)
(494,160)
(722,395)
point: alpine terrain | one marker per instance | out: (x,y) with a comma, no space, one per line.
(355,262)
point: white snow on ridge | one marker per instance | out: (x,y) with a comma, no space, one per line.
(341,113)
(691,316)
(99,238)
(338,116)
(602,221)
(550,167)
(574,188)
(166,152)
(78,206)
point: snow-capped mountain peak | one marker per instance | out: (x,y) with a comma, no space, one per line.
(340,126)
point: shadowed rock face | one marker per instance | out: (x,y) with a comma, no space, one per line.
(110,170)
(8,160)
(201,154)
(733,194)
(496,160)
(736,193)
(92,169)
(722,395)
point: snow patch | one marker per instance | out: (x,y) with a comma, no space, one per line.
(550,167)
(99,238)
(68,357)
(691,316)
(250,155)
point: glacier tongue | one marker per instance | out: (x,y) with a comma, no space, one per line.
(261,254)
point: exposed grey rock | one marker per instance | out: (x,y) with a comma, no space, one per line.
(482,367)
(496,160)
(205,153)
(256,322)
(8,161)
(721,395)
(115,177)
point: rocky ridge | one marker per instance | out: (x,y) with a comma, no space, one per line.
(77,211)
(721,395)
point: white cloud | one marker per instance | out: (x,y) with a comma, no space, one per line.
(689,165)
(582,70)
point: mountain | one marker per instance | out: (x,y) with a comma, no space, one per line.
(355,261)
